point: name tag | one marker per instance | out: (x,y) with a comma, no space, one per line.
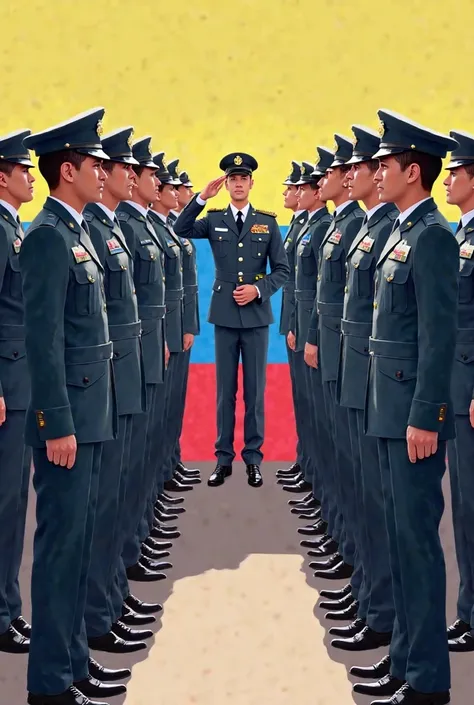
(366,244)
(259,228)
(80,254)
(17,245)
(400,253)
(466,250)
(146,242)
(222,230)
(185,241)
(114,246)
(170,243)
(335,238)
(305,239)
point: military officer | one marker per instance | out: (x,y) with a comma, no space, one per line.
(373,601)
(243,239)
(16,188)
(297,221)
(408,404)
(105,631)
(330,299)
(460,192)
(72,408)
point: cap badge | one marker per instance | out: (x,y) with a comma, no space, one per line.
(303,170)
(165,165)
(335,146)
(130,140)
(99,129)
(354,141)
(318,159)
(381,129)
(238,160)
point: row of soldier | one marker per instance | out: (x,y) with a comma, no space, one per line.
(376,331)
(98,311)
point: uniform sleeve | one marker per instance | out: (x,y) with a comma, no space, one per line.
(186,224)
(435,275)
(4,245)
(279,267)
(98,242)
(44,263)
(316,242)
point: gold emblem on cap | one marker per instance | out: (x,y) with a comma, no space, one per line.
(238,160)
(303,170)
(130,140)
(99,129)
(165,164)
(318,159)
(354,141)
(150,150)
(381,128)
(335,146)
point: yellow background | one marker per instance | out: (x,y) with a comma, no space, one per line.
(271,77)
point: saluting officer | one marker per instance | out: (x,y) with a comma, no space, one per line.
(408,404)
(460,192)
(106,629)
(330,301)
(297,221)
(16,188)
(243,239)
(72,407)
(373,601)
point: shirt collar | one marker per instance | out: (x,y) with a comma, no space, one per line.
(72,211)
(143,211)
(244,211)
(9,208)
(373,210)
(110,214)
(161,217)
(403,216)
(342,207)
(311,213)
(464,218)
(298,213)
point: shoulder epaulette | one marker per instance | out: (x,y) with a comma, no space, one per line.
(51,220)
(259,210)
(215,210)
(393,214)
(429,219)
(88,216)
(121,215)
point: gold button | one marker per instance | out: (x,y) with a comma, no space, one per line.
(356,264)
(67,144)
(241,244)
(375,304)
(180,269)
(134,291)
(328,256)
(260,239)
(241,279)
(123,267)
(296,267)
(152,256)
(319,277)
(241,259)
(371,353)
(91,278)
(346,289)
(105,307)
(220,237)
(259,254)
(164,279)
(71,225)
(390,278)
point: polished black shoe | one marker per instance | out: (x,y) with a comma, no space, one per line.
(219,475)
(107,674)
(141,574)
(113,644)
(313,515)
(187,472)
(339,572)
(350,629)
(301,486)
(133,619)
(317,529)
(307,498)
(71,696)
(169,499)
(174,486)
(291,479)
(388,685)
(315,543)
(167,508)
(378,670)
(254,476)
(153,555)
(336,594)
(157,546)
(344,615)
(155,565)
(337,605)
(364,640)
(294,469)
(143,607)
(457,629)
(22,626)
(189,480)
(127,634)
(407,696)
(160,532)
(157,524)
(164,516)
(328,564)
(306,509)
(92,688)
(12,642)
(462,644)
(326,549)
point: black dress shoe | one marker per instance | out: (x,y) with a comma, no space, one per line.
(407,696)
(71,696)
(157,546)
(254,475)
(133,619)
(315,543)
(219,475)
(378,670)
(291,479)
(92,688)
(326,549)
(12,642)
(141,574)
(190,480)
(157,524)
(155,565)
(22,626)
(317,529)
(164,517)
(350,630)
(336,594)
(153,555)
(107,674)
(160,532)
(183,470)
(169,499)
(345,615)
(458,628)
(306,498)
(328,564)
(174,486)
(388,685)
(462,644)
(337,605)
(143,607)
(168,509)
(365,640)
(113,644)
(301,486)
(340,572)
(305,509)
(313,515)
(294,469)
(127,634)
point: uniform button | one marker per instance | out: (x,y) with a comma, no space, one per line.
(463,356)
(15,353)
(116,354)
(220,237)
(366,349)
(134,291)
(259,254)
(123,267)
(319,277)
(346,289)
(164,278)
(105,307)
(356,264)
(241,244)
(241,259)
(375,304)
(86,380)
(152,256)
(328,256)
(371,353)
(399,374)
(390,278)
(260,239)
(91,278)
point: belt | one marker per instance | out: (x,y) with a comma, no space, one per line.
(393,348)
(12,332)
(95,353)
(125,331)
(190,289)
(305,294)
(356,328)
(174,294)
(334,310)
(465,335)
(147,312)
(239,277)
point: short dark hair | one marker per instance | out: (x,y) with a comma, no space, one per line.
(430,166)
(49,165)
(138,169)
(315,183)
(345,168)
(6,167)
(470,169)
(108,165)
(373,165)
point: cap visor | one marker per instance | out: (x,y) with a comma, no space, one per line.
(238,170)
(97,153)
(358,160)
(23,162)
(454,163)
(338,162)
(149,163)
(389,151)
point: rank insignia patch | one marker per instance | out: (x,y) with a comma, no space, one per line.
(400,253)
(335,238)
(466,251)
(114,246)
(366,244)
(80,254)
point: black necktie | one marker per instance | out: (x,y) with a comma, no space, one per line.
(240,221)
(365,220)
(84,226)
(459,226)
(396,225)
(18,227)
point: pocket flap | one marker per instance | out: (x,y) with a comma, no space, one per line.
(217,286)
(116,263)
(398,274)
(362,260)
(465,353)
(84,274)
(333,252)
(398,370)
(15,262)
(331,323)
(12,349)
(147,252)
(85,375)
(260,237)
(220,236)
(360,345)
(466,267)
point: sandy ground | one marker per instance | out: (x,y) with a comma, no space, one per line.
(240,624)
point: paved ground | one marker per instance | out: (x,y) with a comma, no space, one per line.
(240,624)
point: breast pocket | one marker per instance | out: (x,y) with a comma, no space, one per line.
(333,263)
(394,294)
(118,276)
(362,275)
(220,244)
(15,277)
(466,283)
(260,244)
(308,261)
(148,264)
(87,288)
(171,260)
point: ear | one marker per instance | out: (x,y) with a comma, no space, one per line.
(67,171)
(3,180)
(251,183)
(413,173)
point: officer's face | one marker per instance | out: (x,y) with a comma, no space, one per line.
(185,193)
(168,196)
(89,180)
(238,186)
(333,185)
(119,182)
(459,187)
(147,185)
(19,184)
(391,181)
(360,180)
(308,198)
(291,197)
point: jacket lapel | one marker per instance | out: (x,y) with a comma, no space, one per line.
(249,221)
(389,245)
(72,224)
(465,232)
(228,219)
(358,239)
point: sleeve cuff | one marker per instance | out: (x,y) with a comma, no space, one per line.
(55,423)
(258,291)
(312,336)
(200,201)
(427,416)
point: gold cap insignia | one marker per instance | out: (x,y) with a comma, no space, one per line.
(99,129)
(354,141)
(130,140)
(303,170)
(381,128)
(318,159)
(335,146)
(165,164)
(238,160)
(150,150)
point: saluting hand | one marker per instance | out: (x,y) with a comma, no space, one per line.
(62,451)
(421,444)
(3,411)
(212,188)
(311,355)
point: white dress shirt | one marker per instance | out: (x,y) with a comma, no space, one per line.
(72,211)
(373,210)
(110,214)
(10,209)
(464,218)
(143,211)
(340,208)
(403,216)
